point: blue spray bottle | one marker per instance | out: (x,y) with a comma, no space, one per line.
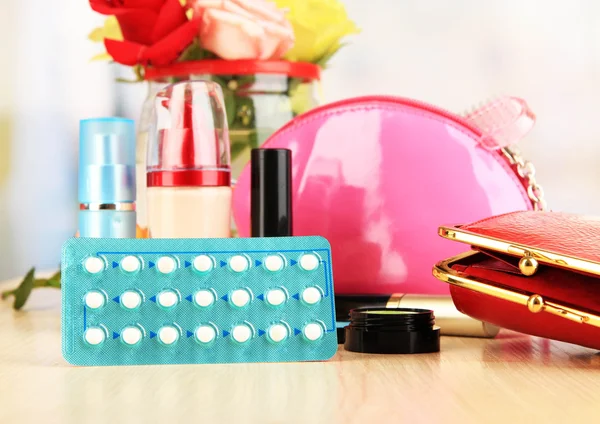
(107,178)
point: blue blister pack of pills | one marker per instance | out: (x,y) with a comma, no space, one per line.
(197,301)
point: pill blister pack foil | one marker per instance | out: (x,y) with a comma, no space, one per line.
(197,301)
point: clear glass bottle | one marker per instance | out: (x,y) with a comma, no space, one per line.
(188,166)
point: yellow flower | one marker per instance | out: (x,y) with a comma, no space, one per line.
(110,29)
(319,26)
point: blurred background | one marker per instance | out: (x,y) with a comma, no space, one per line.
(450,53)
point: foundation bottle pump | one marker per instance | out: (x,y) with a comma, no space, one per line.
(188,167)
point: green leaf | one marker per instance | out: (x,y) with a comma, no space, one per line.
(126,81)
(24,290)
(293,84)
(221,80)
(55,277)
(237,149)
(54,281)
(6,294)
(194,52)
(245,116)
(246,81)
(229,98)
(253,140)
(53,284)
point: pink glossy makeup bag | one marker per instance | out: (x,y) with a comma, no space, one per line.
(377,176)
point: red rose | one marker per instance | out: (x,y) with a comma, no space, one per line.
(155,32)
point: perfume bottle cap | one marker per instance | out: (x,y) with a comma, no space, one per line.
(189,140)
(398,330)
(271,193)
(106,160)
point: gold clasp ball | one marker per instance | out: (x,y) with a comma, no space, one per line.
(528,265)
(535,303)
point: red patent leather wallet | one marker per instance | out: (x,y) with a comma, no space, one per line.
(533,272)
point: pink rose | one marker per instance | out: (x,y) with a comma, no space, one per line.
(243,29)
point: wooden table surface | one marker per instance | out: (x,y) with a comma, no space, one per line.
(510,379)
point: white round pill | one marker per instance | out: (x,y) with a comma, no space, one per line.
(168,335)
(131,299)
(131,335)
(167,299)
(206,333)
(239,263)
(240,297)
(241,333)
(94,299)
(276,297)
(94,336)
(204,298)
(166,265)
(309,262)
(94,265)
(311,295)
(274,263)
(203,263)
(313,331)
(130,264)
(278,332)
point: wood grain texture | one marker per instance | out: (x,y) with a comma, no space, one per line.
(513,378)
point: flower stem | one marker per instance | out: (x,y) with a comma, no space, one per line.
(22,292)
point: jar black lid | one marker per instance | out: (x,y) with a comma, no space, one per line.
(392,330)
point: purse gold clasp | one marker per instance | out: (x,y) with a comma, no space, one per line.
(528,264)
(537,304)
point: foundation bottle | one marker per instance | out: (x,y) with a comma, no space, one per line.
(188,167)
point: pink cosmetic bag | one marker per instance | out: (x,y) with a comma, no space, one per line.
(378,175)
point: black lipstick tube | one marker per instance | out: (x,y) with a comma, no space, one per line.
(271,193)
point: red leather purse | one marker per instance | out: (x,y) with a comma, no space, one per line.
(533,272)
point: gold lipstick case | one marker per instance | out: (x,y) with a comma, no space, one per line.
(451,321)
